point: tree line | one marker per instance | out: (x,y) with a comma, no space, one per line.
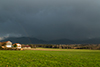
(66,46)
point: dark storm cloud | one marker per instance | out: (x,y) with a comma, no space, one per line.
(50,19)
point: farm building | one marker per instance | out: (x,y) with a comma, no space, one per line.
(26,46)
(17,45)
(7,44)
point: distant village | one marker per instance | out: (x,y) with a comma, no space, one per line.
(9,46)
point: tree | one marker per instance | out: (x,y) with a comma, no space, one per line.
(15,45)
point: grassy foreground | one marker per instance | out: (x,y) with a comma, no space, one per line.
(38,58)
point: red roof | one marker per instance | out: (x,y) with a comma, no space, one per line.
(26,46)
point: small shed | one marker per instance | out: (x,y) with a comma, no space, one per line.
(26,46)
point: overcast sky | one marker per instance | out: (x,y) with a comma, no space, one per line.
(50,19)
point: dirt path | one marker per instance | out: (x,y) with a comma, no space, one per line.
(45,49)
(51,49)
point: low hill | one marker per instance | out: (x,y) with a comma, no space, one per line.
(30,40)
(24,40)
(62,41)
(91,41)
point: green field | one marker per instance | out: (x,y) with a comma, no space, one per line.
(38,58)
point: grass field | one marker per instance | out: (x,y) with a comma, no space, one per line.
(56,58)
